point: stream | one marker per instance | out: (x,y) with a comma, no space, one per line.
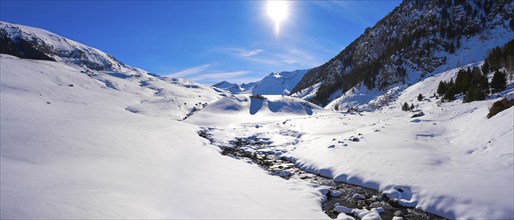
(338,195)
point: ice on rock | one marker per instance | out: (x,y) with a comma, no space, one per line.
(342,209)
(358,196)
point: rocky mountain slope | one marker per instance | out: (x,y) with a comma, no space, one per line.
(417,39)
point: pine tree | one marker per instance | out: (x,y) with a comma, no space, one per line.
(411,106)
(474,94)
(485,67)
(420,97)
(405,107)
(483,84)
(499,81)
(450,92)
(441,89)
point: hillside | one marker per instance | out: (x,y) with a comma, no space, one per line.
(416,40)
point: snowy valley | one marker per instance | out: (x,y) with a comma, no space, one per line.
(84,136)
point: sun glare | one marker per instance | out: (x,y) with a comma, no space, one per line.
(278,12)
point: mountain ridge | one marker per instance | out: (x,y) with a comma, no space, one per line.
(415,40)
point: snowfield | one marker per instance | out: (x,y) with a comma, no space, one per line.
(86,144)
(85,156)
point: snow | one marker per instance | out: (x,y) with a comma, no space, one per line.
(343,216)
(452,161)
(85,156)
(231,87)
(66,50)
(77,143)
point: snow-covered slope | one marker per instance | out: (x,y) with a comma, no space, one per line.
(17,38)
(231,87)
(234,108)
(85,136)
(452,161)
(278,83)
(71,147)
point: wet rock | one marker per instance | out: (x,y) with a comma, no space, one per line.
(281,173)
(398,213)
(375,198)
(375,205)
(358,196)
(342,209)
(324,191)
(335,193)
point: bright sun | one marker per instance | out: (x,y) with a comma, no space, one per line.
(278,12)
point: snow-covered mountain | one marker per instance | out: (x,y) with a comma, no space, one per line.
(34,43)
(416,40)
(231,87)
(280,83)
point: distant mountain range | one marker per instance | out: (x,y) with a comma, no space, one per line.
(273,84)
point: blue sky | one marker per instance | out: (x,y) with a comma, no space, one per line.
(206,41)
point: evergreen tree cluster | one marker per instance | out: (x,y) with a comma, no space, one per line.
(470,82)
(499,58)
(407,107)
